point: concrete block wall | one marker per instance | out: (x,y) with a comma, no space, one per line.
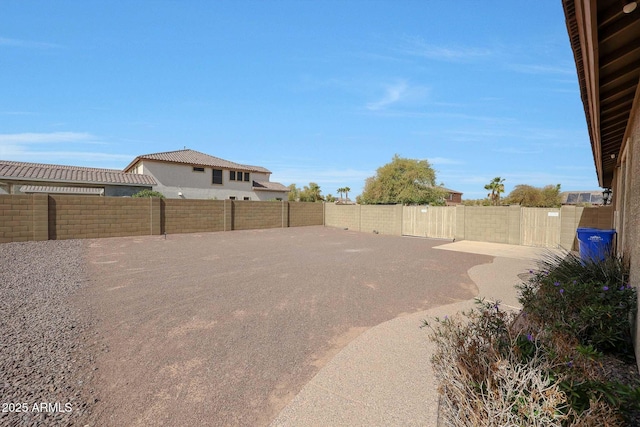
(342,216)
(303,214)
(23,218)
(514,223)
(574,217)
(79,217)
(461,218)
(597,217)
(194,216)
(570,216)
(251,215)
(383,219)
(487,223)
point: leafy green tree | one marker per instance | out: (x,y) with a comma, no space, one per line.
(405,181)
(551,196)
(148,193)
(329,198)
(524,195)
(529,196)
(476,202)
(496,186)
(294,193)
(311,193)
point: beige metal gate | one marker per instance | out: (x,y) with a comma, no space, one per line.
(540,227)
(429,221)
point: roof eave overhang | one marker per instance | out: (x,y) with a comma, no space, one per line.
(36,181)
(269,189)
(606,47)
(580,20)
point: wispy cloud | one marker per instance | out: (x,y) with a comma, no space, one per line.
(542,69)
(67,156)
(392,95)
(444,161)
(400,92)
(416,46)
(54,147)
(302,176)
(16,113)
(43,138)
(29,44)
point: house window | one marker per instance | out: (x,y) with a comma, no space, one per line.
(247,198)
(232,197)
(239,176)
(198,169)
(217,176)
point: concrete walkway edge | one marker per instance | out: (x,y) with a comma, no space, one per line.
(384,377)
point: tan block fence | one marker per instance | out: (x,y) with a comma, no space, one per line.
(515,225)
(43,217)
(58,217)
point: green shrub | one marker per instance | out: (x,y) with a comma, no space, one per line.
(148,193)
(551,363)
(495,368)
(592,301)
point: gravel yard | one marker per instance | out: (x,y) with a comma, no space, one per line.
(199,329)
(45,363)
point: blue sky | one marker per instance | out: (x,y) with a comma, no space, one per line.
(322,91)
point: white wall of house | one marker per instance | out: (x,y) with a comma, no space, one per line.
(175,179)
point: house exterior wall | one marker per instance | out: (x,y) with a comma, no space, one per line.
(627,203)
(454,199)
(176,178)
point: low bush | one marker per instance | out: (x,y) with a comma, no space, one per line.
(592,301)
(549,364)
(148,193)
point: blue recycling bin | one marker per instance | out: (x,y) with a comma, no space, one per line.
(594,244)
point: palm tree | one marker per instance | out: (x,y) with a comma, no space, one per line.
(496,186)
(340,191)
(346,193)
(314,192)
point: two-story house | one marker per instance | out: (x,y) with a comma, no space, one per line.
(191,174)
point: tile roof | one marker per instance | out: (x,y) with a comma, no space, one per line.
(61,190)
(23,171)
(450,191)
(195,158)
(269,186)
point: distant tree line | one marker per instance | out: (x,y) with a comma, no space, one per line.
(522,194)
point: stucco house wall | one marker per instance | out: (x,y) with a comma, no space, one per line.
(628,206)
(188,174)
(181,181)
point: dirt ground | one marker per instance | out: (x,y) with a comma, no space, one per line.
(225,328)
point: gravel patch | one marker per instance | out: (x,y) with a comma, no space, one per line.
(45,364)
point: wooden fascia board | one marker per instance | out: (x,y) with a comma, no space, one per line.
(587,21)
